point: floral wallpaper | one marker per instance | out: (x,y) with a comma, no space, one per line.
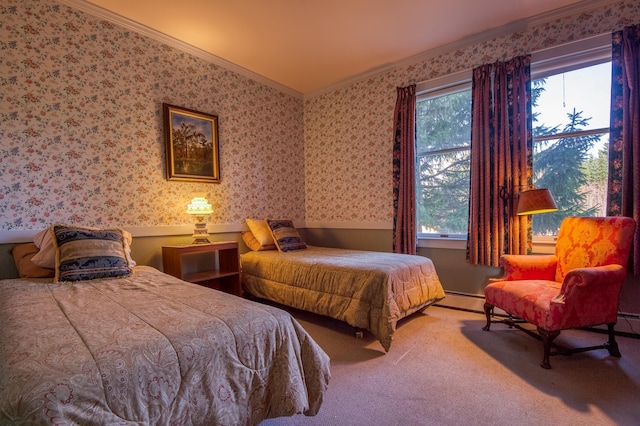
(349,131)
(81,139)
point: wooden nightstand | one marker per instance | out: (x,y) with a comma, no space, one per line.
(215,265)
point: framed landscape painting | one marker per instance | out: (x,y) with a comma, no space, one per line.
(191,140)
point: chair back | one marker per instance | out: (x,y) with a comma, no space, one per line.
(593,241)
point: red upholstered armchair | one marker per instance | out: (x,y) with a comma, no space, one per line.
(578,286)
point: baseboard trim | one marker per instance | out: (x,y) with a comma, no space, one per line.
(466,302)
(628,325)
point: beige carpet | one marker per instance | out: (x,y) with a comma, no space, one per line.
(442,369)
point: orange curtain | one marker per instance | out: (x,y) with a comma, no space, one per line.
(501,160)
(404,176)
(623,192)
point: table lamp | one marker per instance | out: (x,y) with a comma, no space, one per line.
(200,208)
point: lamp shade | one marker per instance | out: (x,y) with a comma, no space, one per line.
(533,201)
(199,206)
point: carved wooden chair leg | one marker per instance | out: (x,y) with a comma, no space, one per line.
(612,345)
(547,339)
(488,311)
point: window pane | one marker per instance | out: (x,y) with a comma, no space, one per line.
(443,132)
(443,193)
(443,121)
(575,171)
(587,90)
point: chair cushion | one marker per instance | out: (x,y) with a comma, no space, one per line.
(529,300)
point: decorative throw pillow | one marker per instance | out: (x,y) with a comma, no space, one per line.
(89,254)
(22,254)
(251,242)
(285,235)
(46,257)
(260,231)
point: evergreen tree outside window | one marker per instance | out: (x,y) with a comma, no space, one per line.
(443,133)
(571,133)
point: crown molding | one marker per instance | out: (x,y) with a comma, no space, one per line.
(465,42)
(507,29)
(129,24)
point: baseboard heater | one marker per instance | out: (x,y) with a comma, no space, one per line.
(628,324)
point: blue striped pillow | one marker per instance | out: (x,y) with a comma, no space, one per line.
(286,235)
(89,254)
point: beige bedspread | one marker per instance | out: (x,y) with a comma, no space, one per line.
(150,349)
(368,290)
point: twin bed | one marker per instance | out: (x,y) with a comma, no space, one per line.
(145,347)
(102,341)
(150,349)
(367,290)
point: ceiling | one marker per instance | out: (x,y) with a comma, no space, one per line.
(308,45)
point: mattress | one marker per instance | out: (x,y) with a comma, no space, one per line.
(368,290)
(150,349)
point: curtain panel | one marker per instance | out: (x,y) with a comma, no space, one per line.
(404,176)
(623,190)
(501,160)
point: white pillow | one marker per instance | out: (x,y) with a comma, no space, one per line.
(46,257)
(41,238)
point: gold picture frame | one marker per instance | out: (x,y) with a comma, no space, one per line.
(191,141)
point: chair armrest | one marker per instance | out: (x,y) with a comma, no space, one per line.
(598,281)
(589,296)
(527,267)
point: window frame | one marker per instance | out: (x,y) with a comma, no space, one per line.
(545,62)
(442,90)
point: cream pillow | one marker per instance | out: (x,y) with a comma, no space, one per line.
(261,231)
(46,257)
(253,244)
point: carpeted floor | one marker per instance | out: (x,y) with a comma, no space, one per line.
(443,369)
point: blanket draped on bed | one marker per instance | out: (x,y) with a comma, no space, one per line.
(368,290)
(150,349)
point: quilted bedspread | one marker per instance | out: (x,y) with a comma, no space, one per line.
(150,349)
(368,290)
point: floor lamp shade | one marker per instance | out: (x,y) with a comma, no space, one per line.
(533,201)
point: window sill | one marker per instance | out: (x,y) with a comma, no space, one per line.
(443,242)
(544,245)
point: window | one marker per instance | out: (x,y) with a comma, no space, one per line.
(571,103)
(443,133)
